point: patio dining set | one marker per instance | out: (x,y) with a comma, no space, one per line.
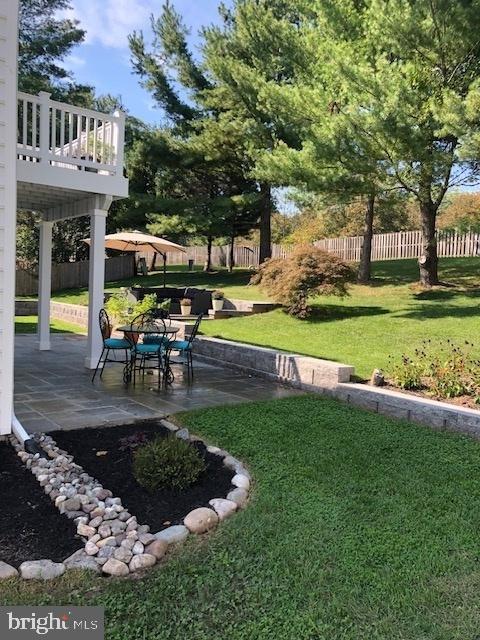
(149,343)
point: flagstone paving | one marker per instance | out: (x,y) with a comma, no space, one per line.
(53,390)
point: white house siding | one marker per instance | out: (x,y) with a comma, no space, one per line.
(8,199)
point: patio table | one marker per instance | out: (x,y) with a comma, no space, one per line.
(147,329)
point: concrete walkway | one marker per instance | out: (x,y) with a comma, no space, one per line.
(53,390)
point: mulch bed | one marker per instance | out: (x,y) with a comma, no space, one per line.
(31,527)
(113,469)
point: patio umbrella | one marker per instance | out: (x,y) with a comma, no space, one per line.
(138,241)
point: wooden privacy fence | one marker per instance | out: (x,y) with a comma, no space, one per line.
(403,244)
(385,246)
(71,275)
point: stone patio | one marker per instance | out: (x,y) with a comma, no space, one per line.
(53,390)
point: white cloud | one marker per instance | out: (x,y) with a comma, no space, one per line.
(109,22)
(74,61)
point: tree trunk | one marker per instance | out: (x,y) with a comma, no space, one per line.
(265,223)
(154,261)
(231,257)
(365,267)
(208,261)
(428,262)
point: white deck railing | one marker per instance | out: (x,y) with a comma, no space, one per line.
(61,135)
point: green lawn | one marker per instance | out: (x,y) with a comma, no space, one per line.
(28,324)
(360,528)
(387,318)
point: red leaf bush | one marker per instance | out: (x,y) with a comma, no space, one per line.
(305,273)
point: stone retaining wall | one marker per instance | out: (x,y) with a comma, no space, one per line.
(299,371)
(440,415)
(73,313)
(333,379)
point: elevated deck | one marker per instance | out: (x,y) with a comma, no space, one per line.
(66,154)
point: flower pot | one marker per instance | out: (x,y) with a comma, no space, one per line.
(186,309)
(217,304)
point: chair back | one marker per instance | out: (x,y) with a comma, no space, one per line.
(155,328)
(105,324)
(194,331)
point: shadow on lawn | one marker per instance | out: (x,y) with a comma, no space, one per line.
(330,313)
(425,311)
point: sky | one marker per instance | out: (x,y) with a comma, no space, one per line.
(103,59)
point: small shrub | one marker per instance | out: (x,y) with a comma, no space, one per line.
(218,295)
(167,463)
(307,272)
(124,309)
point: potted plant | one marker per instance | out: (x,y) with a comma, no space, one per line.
(217,300)
(186,306)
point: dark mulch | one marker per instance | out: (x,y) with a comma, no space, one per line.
(31,528)
(158,509)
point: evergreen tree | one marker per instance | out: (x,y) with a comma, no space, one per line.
(192,168)
(395,85)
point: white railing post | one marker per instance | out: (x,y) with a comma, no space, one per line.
(119,140)
(44,99)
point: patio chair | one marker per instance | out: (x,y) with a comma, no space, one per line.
(184,347)
(110,344)
(151,352)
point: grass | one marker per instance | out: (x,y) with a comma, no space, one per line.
(387,318)
(28,324)
(360,528)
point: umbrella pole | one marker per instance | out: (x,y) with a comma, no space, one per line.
(164,270)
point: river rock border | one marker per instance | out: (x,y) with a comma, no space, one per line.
(115,543)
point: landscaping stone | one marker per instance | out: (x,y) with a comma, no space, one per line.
(224,508)
(142,561)
(91,548)
(157,548)
(7,571)
(137,548)
(104,530)
(85,530)
(71,504)
(41,570)
(183,434)
(123,554)
(81,560)
(106,552)
(107,542)
(171,535)
(239,496)
(146,538)
(115,567)
(201,520)
(241,481)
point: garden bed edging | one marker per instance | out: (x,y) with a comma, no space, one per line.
(115,543)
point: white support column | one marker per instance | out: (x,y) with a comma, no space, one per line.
(44,284)
(96,283)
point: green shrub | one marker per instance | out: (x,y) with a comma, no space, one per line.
(167,463)
(304,273)
(123,309)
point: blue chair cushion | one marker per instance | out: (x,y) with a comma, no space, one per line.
(180,345)
(155,339)
(117,343)
(147,348)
